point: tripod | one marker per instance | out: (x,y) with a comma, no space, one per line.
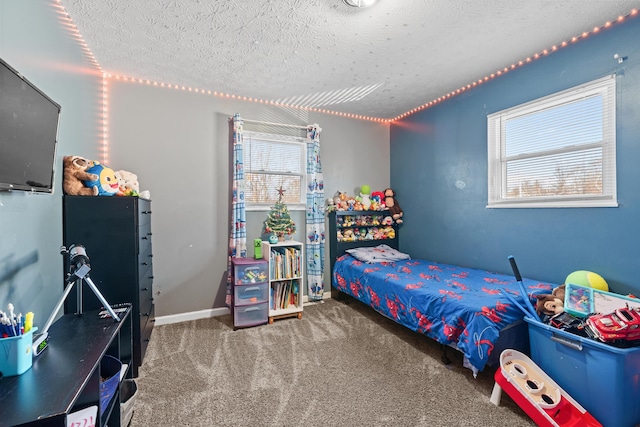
(78,273)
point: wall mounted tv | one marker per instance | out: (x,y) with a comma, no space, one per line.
(28,134)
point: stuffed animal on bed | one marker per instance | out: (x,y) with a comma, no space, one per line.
(551,304)
(392,204)
(74,172)
(106,181)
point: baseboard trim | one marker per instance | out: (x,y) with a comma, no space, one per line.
(192,315)
(212,312)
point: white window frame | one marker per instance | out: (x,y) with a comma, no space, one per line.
(277,140)
(498,196)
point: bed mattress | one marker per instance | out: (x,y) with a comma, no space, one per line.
(461,307)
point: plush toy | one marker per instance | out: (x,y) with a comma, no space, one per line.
(127,183)
(551,304)
(392,204)
(130,180)
(106,181)
(377,197)
(365,192)
(74,173)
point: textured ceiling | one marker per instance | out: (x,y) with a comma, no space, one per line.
(381,61)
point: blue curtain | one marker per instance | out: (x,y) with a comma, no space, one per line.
(315,216)
(238,230)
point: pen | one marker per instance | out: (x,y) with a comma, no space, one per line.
(11,318)
(28,321)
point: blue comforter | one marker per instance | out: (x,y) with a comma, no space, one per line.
(461,307)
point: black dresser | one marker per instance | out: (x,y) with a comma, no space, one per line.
(116,233)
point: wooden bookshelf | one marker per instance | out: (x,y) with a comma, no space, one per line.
(286,278)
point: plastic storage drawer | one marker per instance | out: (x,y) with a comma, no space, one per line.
(249,271)
(251,294)
(251,315)
(604,379)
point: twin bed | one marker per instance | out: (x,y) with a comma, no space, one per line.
(459,307)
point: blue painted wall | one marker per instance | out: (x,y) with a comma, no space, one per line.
(33,41)
(439,171)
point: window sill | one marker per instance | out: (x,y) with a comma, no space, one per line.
(563,204)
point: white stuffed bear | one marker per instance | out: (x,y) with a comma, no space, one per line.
(129,180)
(127,183)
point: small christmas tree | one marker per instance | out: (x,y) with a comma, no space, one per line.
(279,221)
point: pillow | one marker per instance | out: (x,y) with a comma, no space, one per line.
(380,253)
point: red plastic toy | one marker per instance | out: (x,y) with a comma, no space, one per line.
(623,325)
(537,394)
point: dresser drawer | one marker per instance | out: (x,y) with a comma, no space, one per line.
(251,294)
(145,259)
(250,315)
(146,327)
(145,276)
(146,289)
(144,238)
(144,212)
(146,309)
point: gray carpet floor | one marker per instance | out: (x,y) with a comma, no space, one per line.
(340,365)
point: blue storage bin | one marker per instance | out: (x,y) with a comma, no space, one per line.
(604,379)
(109,379)
(16,355)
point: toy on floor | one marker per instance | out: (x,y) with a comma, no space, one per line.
(537,394)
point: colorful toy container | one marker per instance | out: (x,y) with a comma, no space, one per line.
(602,378)
(16,354)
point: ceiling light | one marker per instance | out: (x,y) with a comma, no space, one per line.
(359,3)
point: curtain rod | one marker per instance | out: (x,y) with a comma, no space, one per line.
(274,124)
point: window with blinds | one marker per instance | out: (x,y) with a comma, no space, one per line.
(557,151)
(271,162)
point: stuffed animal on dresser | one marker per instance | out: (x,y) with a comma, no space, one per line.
(74,173)
(392,204)
(105,182)
(127,183)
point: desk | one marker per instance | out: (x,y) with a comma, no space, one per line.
(65,377)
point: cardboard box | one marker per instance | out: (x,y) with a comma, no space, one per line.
(604,379)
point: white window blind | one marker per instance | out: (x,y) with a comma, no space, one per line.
(558,151)
(271,162)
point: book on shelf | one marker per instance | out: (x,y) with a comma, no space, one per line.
(285,263)
(284,294)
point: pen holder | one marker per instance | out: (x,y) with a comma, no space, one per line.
(16,355)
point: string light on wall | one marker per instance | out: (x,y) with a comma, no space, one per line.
(520,63)
(67,23)
(242,98)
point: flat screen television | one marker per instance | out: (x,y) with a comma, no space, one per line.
(28,134)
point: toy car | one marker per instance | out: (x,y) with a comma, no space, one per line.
(569,323)
(620,327)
